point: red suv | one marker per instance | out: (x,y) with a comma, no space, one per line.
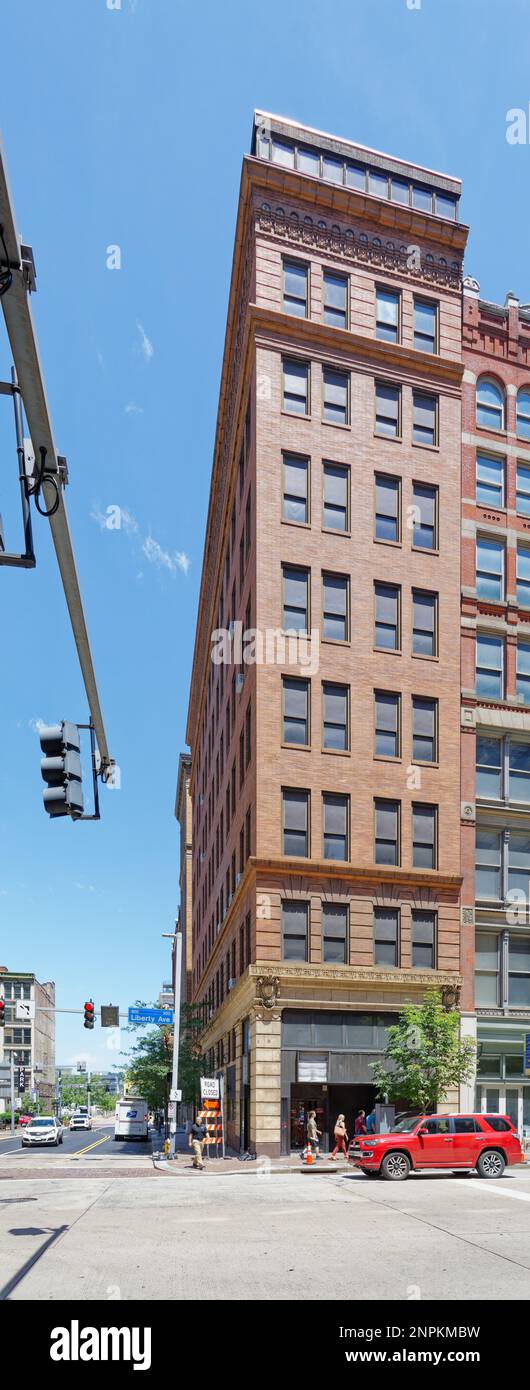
(484,1142)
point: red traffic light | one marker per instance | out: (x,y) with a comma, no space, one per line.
(89,1014)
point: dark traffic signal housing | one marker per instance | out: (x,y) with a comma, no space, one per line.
(61,769)
(89,1014)
(2,1013)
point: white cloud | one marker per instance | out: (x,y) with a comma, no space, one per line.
(86,887)
(133,409)
(146,344)
(162,558)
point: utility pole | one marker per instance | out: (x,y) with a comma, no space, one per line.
(12,1095)
(175,936)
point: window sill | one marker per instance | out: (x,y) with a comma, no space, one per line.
(333,531)
(297,747)
(421,656)
(336,752)
(293,415)
(302,525)
(335,425)
(389,651)
(397,545)
(389,438)
(431,448)
(425,550)
(336,641)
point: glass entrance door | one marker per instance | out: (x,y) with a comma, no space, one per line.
(512,1105)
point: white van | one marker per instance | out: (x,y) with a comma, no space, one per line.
(131,1120)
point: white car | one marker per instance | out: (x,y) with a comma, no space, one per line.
(43,1129)
(80,1121)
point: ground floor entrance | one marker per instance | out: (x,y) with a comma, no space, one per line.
(328,1102)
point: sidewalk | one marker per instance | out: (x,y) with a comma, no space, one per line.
(288,1163)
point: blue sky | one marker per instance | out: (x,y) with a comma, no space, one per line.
(127,126)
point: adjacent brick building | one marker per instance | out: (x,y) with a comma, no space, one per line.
(325,777)
(496,693)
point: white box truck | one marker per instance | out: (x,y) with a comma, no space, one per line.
(131,1120)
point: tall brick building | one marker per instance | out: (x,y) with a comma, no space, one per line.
(496,693)
(325,776)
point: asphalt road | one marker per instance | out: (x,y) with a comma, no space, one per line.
(260,1235)
(98,1140)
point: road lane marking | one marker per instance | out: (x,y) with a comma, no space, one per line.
(503,1192)
(88,1147)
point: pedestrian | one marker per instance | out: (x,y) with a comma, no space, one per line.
(360,1124)
(370,1122)
(313,1134)
(341,1137)
(197,1136)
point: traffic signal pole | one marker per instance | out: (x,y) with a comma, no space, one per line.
(50,475)
(176,1040)
(12,1078)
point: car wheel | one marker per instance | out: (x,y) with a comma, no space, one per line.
(491,1164)
(395,1167)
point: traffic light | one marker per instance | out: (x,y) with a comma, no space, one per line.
(89,1014)
(21,1081)
(61,769)
(2,1013)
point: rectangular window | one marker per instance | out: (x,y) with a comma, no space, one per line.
(490,569)
(335,391)
(377,184)
(489,768)
(424,729)
(387,410)
(335,607)
(332,169)
(523,576)
(335,817)
(423,940)
(387,306)
(387,724)
(335,933)
(518,861)
(296,387)
(487,981)
(295,822)
(490,482)
(387,633)
(424,418)
(421,198)
(523,490)
(387,508)
(424,623)
(387,849)
(282,153)
(335,720)
(490,667)
(446,206)
(295,488)
(519,971)
(488,864)
(523,672)
(518,770)
(356,177)
(295,711)
(336,497)
(294,930)
(309,162)
(425,325)
(425,529)
(386,936)
(400,191)
(295,599)
(335,300)
(295,285)
(424,837)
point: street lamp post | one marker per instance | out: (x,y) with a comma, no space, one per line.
(177,938)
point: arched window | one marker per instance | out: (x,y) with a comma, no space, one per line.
(490,405)
(523,413)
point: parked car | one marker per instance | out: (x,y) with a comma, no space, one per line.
(43,1129)
(24,1119)
(80,1120)
(485,1142)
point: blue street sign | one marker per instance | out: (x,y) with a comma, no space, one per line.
(527,1053)
(138,1015)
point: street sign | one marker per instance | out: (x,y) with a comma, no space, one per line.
(209,1088)
(24,1010)
(527,1054)
(172,1110)
(110,1015)
(140,1015)
(175,1095)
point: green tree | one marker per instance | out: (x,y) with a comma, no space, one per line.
(148,1065)
(191,1062)
(425,1056)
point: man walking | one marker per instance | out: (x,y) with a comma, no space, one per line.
(198,1133)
